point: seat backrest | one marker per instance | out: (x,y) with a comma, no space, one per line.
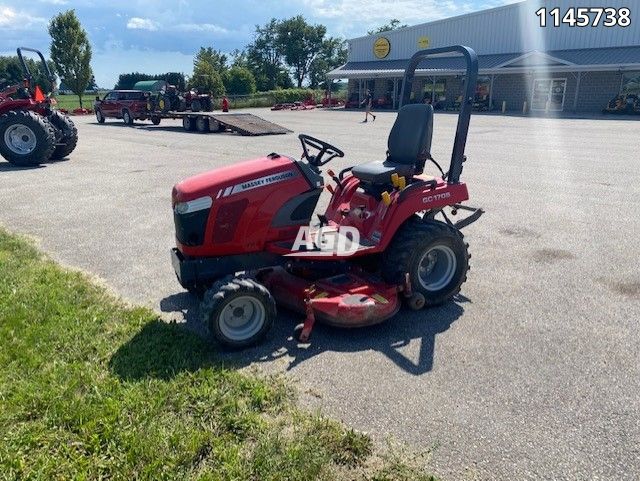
(410,137)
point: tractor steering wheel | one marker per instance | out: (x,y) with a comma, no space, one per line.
(322,147)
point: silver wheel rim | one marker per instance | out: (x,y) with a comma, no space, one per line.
(20,139)
(126,117)
(437,267)
(242,318)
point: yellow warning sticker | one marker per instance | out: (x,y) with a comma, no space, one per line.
(322,295)
(380,299)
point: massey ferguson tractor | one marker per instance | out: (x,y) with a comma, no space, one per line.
(31,131)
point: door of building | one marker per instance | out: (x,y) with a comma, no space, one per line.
(548,94)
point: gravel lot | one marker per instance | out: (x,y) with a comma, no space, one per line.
(534,373)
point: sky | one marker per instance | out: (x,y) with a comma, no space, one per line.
(155,37)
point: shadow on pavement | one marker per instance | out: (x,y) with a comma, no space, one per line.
(160,350)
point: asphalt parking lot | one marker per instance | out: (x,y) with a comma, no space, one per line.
(533,373)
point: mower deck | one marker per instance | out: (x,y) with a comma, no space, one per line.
(343,300)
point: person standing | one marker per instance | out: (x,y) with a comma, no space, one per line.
(368,100)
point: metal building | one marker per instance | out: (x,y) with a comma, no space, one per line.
(522,64)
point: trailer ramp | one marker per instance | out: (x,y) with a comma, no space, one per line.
(249,124)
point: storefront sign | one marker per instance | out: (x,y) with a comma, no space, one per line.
(423,42)
(381,47)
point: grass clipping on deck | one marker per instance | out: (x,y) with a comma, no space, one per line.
(93,389)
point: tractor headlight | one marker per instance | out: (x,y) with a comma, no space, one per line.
(201,203)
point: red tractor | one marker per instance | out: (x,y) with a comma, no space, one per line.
(244,242)
(31,131)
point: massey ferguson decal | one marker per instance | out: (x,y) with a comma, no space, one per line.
(255,183)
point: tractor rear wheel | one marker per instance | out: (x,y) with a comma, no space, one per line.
(196,106)
(238,311)
(68,135)
(26,138)
(434,255)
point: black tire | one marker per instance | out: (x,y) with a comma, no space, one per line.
(435,243)
(69,135)
(202,124)
(37,128)
(127,117)
(100,116)
(253,301)
(188,123)
(155,120)
(196,106)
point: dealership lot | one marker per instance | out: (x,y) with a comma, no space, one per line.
(533,372)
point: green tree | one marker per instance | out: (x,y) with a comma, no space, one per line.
(299,43)
(394,24)
(215,58)
(240,81)
(206,79)
(332,55)
(11,72)
(71,52)
(264,58)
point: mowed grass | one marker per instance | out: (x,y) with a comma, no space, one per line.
(70,101)
(92,389)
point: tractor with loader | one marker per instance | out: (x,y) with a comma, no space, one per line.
(31,130)
(245,244)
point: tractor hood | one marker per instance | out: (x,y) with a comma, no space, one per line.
(236,178)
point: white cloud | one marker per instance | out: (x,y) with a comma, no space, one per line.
(13,19)
(137,23)
(55,2)
(201,27)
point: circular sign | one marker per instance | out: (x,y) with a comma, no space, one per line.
(423,42)
(381,47)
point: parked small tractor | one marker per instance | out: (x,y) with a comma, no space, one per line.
(31,131)
(171,100)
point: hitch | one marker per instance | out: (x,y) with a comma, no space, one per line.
(462,223)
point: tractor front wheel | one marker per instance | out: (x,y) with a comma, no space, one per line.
(26,138)
(435,256)
(68,135)
(238,311)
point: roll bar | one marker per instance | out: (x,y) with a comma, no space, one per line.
(457,156)
(25,68)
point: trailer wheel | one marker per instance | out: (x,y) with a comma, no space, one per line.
(188,123)
(26,138)
(435,256)
(69,137)
(202,124)
(238,311)
(155,120)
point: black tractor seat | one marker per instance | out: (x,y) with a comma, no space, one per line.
(409,146)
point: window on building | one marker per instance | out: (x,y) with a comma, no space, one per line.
(631,83)
(435,91)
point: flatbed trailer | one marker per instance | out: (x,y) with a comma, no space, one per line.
(243,124)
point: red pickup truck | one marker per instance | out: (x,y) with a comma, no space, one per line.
(128,105)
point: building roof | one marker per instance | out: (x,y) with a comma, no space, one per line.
(559,60)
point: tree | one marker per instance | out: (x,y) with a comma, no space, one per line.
(299,43)
(71,52)
(394,24)
(215,58)
(240,81)
(332,55)
(206,79)
(11,72)
(264,58)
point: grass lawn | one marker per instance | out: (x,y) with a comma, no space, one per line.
(92,389)
(70,101)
